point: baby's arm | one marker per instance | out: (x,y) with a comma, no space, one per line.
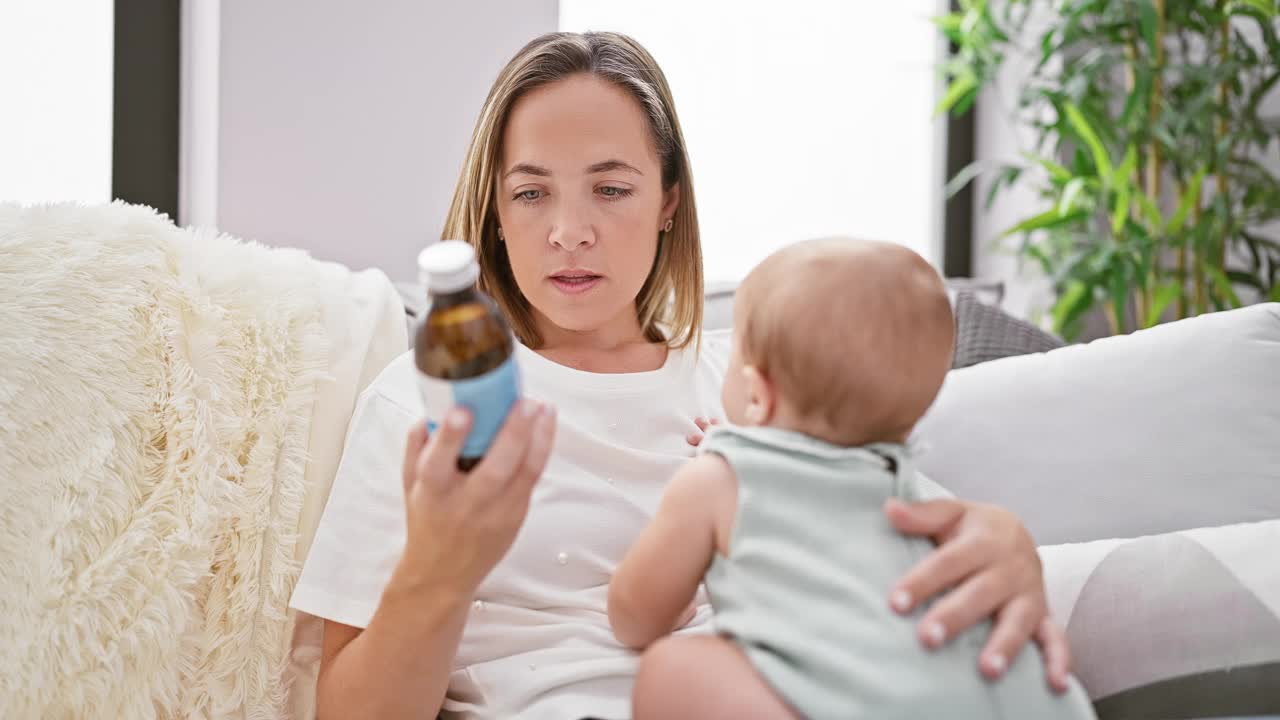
(657,580)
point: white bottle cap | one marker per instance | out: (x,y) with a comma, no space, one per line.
(448,266)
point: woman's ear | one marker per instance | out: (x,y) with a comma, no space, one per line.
(761,397)
(670,202)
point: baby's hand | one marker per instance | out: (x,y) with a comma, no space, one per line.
(695,438)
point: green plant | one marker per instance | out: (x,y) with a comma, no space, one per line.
(1151,152)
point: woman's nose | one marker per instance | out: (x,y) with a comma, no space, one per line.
(572,230)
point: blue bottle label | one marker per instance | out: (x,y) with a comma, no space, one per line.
(489,397)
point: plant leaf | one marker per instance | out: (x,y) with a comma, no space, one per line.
(1125,171)
(1190,197)
(1243,278)
(1069,194)
(1160,300)
(1148,21)
(1071,305)
(960,88)
(1120,213)
(1260,7)
(947,23)
(1046,219)
(1121,181)
(1101,160)
(1121,282)
(1223,285)
(1057,173)
(964,177)
(969,21)
(1138,97)
(1035,252)
(1008,175)
(1149,211)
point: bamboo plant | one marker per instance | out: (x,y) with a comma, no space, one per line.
(1156,165)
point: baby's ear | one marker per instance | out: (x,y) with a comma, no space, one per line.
(761,397)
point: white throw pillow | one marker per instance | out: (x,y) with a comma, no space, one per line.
(1166,429)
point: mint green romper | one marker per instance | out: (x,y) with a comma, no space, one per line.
(804,590)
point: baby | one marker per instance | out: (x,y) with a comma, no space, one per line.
(840,347)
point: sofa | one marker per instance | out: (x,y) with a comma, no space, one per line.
(1147,466)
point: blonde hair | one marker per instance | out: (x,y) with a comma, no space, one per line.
(671,296)
(856,336)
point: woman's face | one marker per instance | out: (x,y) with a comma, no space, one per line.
(580,202)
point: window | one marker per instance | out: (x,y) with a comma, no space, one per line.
(56,70)
(802,118)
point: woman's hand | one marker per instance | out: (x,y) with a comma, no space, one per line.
(989,562)
(704,424)
(460,525)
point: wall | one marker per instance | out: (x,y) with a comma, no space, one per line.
(339,126)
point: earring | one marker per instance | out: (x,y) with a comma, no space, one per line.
(670,224)
(500,237)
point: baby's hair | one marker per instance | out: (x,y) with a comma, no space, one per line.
(856,336)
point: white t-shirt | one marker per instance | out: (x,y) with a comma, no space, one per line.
(537,643)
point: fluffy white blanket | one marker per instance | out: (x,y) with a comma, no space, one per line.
(155,400)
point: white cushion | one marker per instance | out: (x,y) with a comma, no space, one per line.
(1166,429)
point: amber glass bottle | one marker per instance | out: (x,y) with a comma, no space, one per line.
(464,349)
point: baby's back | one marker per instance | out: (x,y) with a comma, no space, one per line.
(804,590)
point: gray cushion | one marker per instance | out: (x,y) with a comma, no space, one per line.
(985,332)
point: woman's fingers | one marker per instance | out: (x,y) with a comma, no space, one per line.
(935,518)
(937,571)
(507,452)
(1057,653)
(978,597)
(991,561)
(413,445)
(1012,628)
(438,461)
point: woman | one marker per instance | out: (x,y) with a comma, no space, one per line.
(483,595)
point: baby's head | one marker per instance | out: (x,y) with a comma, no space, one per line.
(845,340)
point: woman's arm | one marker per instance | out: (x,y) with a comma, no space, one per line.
(458,526)
(399,666)
(989,561)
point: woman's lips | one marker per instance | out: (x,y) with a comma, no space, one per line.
(575,283)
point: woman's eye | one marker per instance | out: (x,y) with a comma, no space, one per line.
(529,195)
(610,191)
